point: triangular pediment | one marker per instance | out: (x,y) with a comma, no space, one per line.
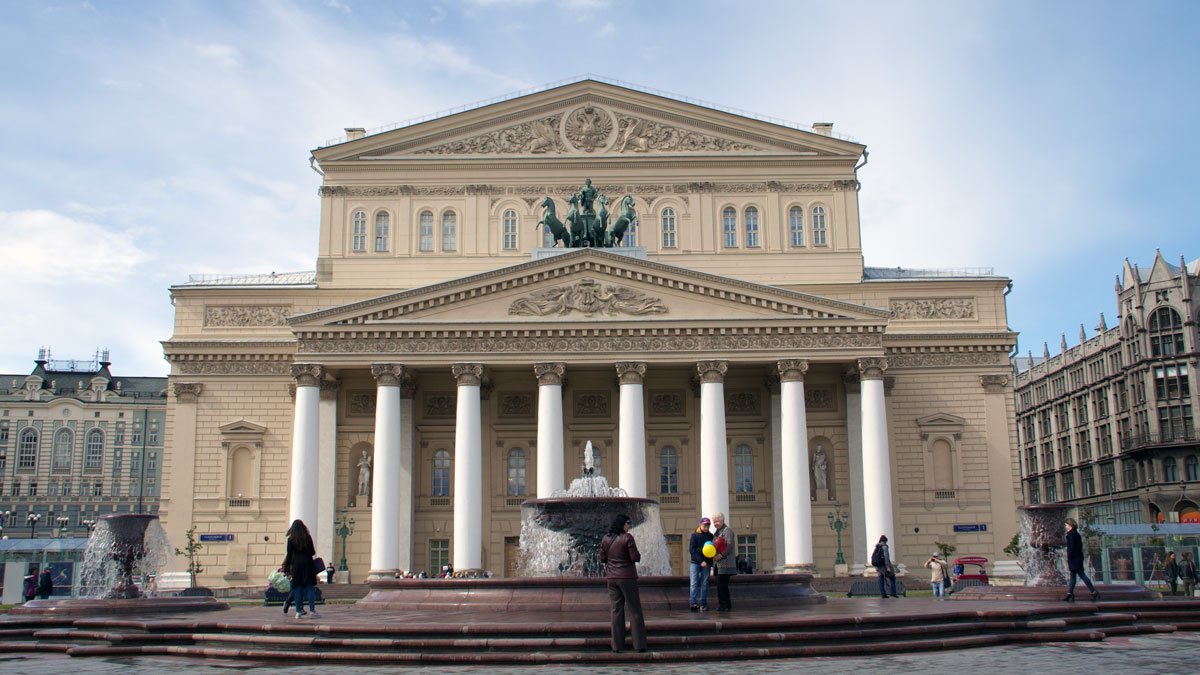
(242,428)
(587,287)
(941,420)
(588,118)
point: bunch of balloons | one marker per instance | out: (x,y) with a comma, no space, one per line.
(708,549)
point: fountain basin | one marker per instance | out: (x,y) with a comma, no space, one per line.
(124,607)
(560,536)
(749,591)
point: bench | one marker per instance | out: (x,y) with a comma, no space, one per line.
(870,587)
(273,597)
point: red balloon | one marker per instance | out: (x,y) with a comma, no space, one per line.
(721,544)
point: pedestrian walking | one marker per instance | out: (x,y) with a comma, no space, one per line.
(298,564)
(881,560)
(45,585)
(30,585)
(619,555)
(1187,571)
(939,578)
(1075,562)
(1171,570)
(700,567)
(725,541)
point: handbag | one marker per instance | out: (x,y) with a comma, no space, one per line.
(318,566)
(279,581)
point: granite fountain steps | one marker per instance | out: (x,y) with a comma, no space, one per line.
(351,635)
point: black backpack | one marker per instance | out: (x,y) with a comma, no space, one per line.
(877,559)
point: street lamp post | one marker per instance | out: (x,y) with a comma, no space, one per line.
(837,524)
(90,524)
(345,528)
(62,521)
(32,520)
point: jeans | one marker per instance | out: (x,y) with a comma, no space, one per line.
(698,586)
(299,593)
(1086,581)
(889,579)
(939,589)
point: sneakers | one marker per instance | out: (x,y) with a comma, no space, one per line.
(301,615)
(703,608)
(312,614)
(694,608)
(1095,596)
(1070,597)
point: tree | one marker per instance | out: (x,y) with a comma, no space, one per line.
(945,549)
(190,551)
(1013,549)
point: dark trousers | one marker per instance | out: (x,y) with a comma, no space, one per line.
(1087,582)
(723,591)
(624,598)
(891,579)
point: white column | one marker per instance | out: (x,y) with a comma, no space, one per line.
(468,470)
(877,473)
(385,483)
(631,466)
(550,473)
(797,498)
(405,493)
(860,548)
(714,451)
(326,470)
(302,503)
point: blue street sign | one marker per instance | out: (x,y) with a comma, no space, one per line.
(974,527)
(216,537)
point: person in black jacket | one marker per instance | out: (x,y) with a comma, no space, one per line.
(619,554)
(701,566)
(298,564)
(45,585)
(1075,562)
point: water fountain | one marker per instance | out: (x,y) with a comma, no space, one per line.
(558,562)
(1043,556)
(120,544)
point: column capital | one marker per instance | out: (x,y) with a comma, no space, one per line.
(631,372)
(993,384)
(550,372)
(851,381)
(387,374)
(188,392)
(330,389)
(792,370)
(712,371)
(468,374)
(872,368)
(308,374)
(408,386)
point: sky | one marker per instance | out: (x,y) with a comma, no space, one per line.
(146,141)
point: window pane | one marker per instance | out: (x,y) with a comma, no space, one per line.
(729,227)
(668,471)
(358,240)
(516,472)
(382,224)
(449,231)
(743,469)
(818,226)
(510,230)
(796,225)
(751,227)
(426,231)
(441,473)
(668,228)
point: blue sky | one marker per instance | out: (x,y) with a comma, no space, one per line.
(145,141)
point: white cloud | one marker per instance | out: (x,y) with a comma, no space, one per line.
(44,248)
(335,4)
(226,55)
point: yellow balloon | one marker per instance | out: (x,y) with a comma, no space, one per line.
(708,549)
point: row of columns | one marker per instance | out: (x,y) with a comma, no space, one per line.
(467,552)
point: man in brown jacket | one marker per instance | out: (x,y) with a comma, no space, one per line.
(619,555)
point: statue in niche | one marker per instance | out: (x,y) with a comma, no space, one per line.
(364,475)
(820,468)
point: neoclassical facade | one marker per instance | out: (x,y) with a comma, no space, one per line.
(445,361)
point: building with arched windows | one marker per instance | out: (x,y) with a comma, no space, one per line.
(1108,423)
(732,353)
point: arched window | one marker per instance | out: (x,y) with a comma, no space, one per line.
(668,471)
(27,447)
(743,469)
(796,225)
(241,473)
(943,465)
(1166,332)
(425,231)
(668,227)
(1170,470)
(93,451)
(752,240)
(516,472)
(358,239)
(818,226)
(449,231)
(1191,468)
(729,227)
(382,227)
(64,444)
(509,236)
(441,473)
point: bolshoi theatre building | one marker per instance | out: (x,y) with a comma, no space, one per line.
(681,285)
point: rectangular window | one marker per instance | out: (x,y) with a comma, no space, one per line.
(98,489)
(1175,423)
(33,488)
(119,434)
(1068,485)
(1171,382)
(152,437)
(66,488)
(1087,481)
(1035,491)
(136,436)
(439,556)
(747,551)
(114,490)
(1130,471)
(152,461)
(1051,489)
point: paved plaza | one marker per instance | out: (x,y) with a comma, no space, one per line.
(1173,653)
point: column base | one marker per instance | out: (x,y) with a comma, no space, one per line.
(860,570)
(376,575)
(341,577)
(842,570)
(799,568)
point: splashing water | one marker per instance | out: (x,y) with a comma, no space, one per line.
(102,568)
(1043,549)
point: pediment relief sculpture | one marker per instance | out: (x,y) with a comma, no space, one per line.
(589,129)
(588,297)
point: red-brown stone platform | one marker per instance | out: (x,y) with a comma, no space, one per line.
(1108,592)
(105,607)
(754,591)
(350,634)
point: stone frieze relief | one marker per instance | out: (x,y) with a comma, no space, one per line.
(236,367)
(933,309)
(246,315)
(537,137)
(941,359)
(588,297)
(534,193)
(642,135)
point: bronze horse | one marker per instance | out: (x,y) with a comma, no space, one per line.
(617,233)
(550,220)
(599,234)
(575,221)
